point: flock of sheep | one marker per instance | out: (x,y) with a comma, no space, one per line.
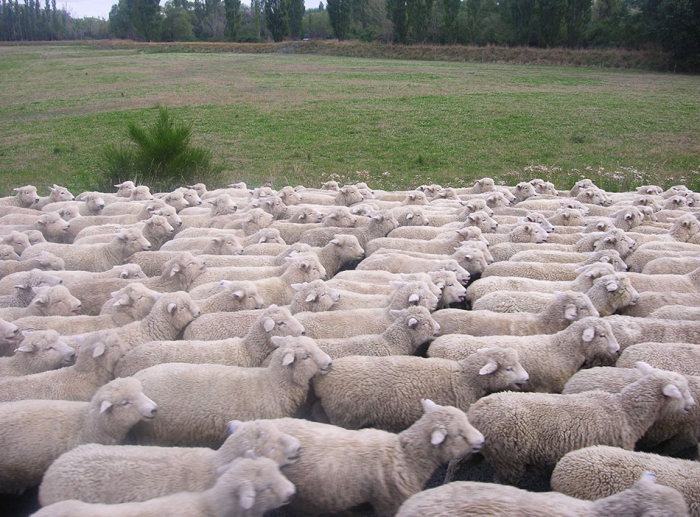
(229,352)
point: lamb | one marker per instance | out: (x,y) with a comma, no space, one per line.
(157,230)
(362,391)
(630,330)
(608,294)
(169,315)
(29,437)
(556,424)
(48,301)
(379,226)
(90,203)
(93,368)
(460,498)
(23,284)
(600,471)
(567,307)
(249,486)
(583,282)
(46,262)
(404,294)
(379,468)
(56,194)
(38,352)
(445,243)
(411,328)
(236,296)
(248,351)
(188,417)
(19,242)
(650,301)
(316,296)
(670,434)
(567,217)
(7,252)
(131,303)
(26,197)
(51,226)
(550,359)
(96,257)
(614,239)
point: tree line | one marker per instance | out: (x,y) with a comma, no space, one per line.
(674,25)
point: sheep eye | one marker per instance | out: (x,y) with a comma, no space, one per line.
(306,357)
(281,323)
(126,403)
(50,348)
(602,335)
(509,369)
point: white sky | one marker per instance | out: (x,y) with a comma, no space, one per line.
(101,8)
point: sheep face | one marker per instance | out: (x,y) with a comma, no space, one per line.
(522,191)
(415,198)
(131,303)
(535,217)
(54,301)
(340,217)
(302,356)
(278,321)
(52,226)
(18,241)
(125,189)
(598,341)
(684,228)
(500,369)
(186,267)
(674,388)
(528,232)
(7,252)
(482,220)
(246,295)
(616,291)
(140,193)
(180,308)
(58,194)
(263,438)
(131,240)
(27,196)
(159,227)
(313,296)
(446,432)
(47,348)
(121,404)
(223,204)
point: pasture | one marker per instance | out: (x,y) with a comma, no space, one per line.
(302,119)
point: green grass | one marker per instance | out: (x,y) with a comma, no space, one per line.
(301,119)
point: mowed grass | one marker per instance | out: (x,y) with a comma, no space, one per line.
(298,119)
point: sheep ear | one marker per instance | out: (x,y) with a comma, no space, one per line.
(412,322)
(171,307)
(647,477)
(336,242)
(489,367)
(268,324)
(28,349)
(297,287)
(438,436)
(106,404)
(428,405)
(122,300)
(644,368)
(611,286)
(233,426)
(570,312)
(672,391)
(175,270)
(588,335)
(288,359)
(311,298)
(394,313)
(414,298)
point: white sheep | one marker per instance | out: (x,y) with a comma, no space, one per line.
(316,296)
(46,262)
(56,194)
(18,240)
(552,425)
(567,307)
(250,351)
(411,328)
(36,432)
(96,257)
(650,301)
(38,352)
(563,257)
(630,330)
(236,296)
(673,265)
(379,468)
(644,497)
(249,486)
(26,197)
(405,294)
(550,359)
(117,474)
(22,287)
(379,226)
(48,301)
(676,312)
(195,399)
(599,471)
(87,203)
(384,392)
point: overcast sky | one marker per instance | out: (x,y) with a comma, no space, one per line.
(101,8)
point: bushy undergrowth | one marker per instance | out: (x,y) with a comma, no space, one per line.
(161,156)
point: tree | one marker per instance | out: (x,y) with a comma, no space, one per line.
(233,18)
(578,15)
(214,23)
(519,15)
(277,18)
(676,24)
(418,17)
(339,12)
(144,18)
(296,15)
(450,11)
(120,23)
(177,25)
(549,17)
(396,11)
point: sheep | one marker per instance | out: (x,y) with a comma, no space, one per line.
(101,468)
(411,328)
(648,252)
(36,432)
(460,498)
(52,227)
(379,226)
(550,359)
(10,337)
(384,392)
(46,262)
(630,330)
(613,239)
(93,368)
(169,315)
(650,301)
(90,203)
(688,283)
(671,433)
(567,307)
(96,257)
(671,265)
(316,296)
(608,294)
(583,282)
(48,301)
(404,294)
(599,471)
(19,242)
(567,217)
(537,270)
(23,284)
(676,312)
(38,352)
(445,243)
(553,424)
(272,392)
(248,351)
(56,194)
(249,486)
(157,230)
(131,303)
(179,274)
(7,252)
(563,257)
(678,357)
(379,468)
(236,296)
(74,279)
(26,197)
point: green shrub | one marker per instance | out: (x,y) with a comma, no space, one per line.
(160,156)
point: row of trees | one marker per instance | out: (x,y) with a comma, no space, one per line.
(673,24)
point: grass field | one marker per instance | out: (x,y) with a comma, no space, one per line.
(300,119)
